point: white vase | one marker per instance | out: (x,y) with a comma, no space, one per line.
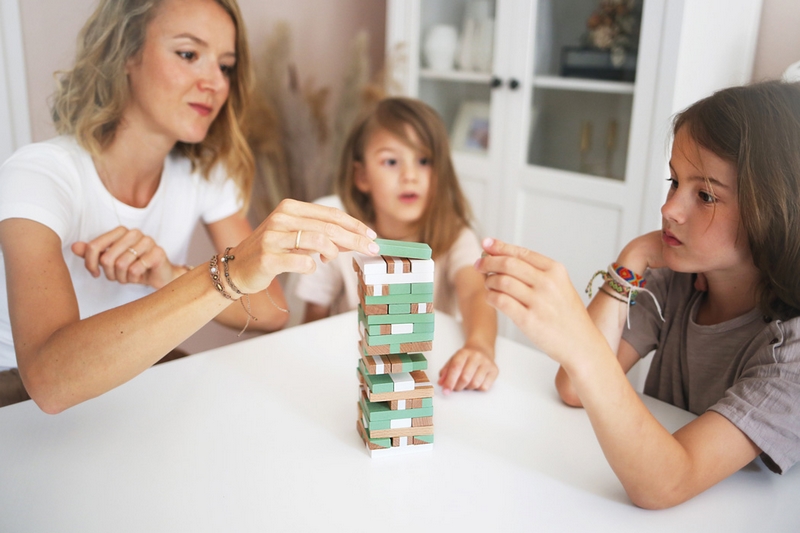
(440,47)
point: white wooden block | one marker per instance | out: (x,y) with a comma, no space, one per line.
(402,381)
(421,265)
(388,279)
(378,363)
(398,329)
(403,441)
(400,423)
(401,405)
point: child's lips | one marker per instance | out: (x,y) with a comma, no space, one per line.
(409,197)
(670,239)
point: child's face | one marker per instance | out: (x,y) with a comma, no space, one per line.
(397,178)
(701,231)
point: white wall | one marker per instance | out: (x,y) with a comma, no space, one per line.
(778,38)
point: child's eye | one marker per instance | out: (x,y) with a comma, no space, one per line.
(390,162)
(189,56)
(706,197)
(424,161)
(673,183)
(227,70)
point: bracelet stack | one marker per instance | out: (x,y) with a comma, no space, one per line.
(623,285)
(214,271)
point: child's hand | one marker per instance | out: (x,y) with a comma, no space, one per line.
(470,368)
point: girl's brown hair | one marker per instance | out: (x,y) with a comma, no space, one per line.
(91,97)
(757,129)
(447,212)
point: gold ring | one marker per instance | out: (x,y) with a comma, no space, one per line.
(134,252)
(297,240)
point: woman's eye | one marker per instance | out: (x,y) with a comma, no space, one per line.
(187,55)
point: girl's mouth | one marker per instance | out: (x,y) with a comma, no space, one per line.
(408,197)
(670,239)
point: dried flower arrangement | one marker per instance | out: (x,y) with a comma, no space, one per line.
(296,146)
(614,26)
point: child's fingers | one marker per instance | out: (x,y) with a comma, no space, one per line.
(495,247)
(454,368)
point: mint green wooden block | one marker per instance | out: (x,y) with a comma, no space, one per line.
(399,309)
(422,288)
(380,340)
(395,318)
(377,383)
(420,327)
(380,411)
(410,250)
(426,438)
(399,299)
(400,288)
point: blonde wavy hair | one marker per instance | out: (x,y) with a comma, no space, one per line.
(91,97)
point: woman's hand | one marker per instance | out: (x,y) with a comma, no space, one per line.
(470,368)
(538,296)
(288,237)
(127,256)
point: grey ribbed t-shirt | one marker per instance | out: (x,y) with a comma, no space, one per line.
(745,369)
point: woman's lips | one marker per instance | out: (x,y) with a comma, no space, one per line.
(670,239)
(201,109)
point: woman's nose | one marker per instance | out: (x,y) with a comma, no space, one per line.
(213,79)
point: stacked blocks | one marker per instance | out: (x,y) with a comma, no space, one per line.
(395,322)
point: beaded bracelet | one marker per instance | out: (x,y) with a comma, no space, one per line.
(624,282)
(226,259)
(214,271)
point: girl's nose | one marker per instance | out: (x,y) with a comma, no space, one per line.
(673,208)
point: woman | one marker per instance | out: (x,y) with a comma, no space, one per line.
(150,144)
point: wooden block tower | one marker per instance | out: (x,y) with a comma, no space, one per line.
(395,321)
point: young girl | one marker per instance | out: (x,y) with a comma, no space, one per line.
(95,224)
(396,176)
(724,272)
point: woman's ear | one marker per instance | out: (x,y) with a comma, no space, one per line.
(360,177)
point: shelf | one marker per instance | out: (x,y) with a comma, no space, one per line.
(581,84)
(455,75)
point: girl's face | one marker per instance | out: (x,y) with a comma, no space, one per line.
(397,178)
(701,231)
(180,80)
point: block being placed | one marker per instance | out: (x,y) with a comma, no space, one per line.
(411,250)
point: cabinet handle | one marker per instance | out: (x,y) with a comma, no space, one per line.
(496,82)
(513,83)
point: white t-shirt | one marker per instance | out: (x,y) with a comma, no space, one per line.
(55,183)
(334,285)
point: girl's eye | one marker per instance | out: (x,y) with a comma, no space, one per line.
(187,55)
(706,197)
(227,70)
(424,161)
(673,183)
(390,162)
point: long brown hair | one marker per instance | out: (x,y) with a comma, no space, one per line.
(91,97)
(448,211)
(757,129)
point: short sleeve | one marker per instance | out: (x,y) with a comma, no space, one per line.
(465,251)
(645,322)
(40,183)
(323,285)
(221,198)
(764,401)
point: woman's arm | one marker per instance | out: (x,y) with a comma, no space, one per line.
(473,366)
(656,469)
(64,360)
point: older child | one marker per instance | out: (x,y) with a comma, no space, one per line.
(396,175)
(723,271)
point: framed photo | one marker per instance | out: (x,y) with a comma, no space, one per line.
(471,128)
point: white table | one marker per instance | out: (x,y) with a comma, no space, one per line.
(260,436)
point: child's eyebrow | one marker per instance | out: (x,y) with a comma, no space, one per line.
(711,179)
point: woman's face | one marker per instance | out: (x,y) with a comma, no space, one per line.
(180,80)
(701,230)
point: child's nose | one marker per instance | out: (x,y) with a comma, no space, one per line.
(673,209)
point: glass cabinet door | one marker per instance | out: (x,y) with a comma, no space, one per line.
(456,56)
(585,54)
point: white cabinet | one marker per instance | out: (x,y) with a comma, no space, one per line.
(575,166)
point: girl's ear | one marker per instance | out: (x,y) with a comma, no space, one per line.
(360,177)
